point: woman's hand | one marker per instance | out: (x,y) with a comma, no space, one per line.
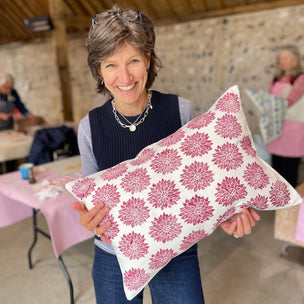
(90,219)
(32,117)
(5,116)
(241,223)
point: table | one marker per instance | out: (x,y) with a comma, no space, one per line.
(289,225)
(14,145)
(19,200)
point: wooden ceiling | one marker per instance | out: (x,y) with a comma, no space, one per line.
(75,14)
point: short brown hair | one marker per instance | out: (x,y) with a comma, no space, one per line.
(110,30)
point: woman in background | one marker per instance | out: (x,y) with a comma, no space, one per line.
(9,100)
(288,83)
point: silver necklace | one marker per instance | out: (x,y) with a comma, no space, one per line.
(132,125)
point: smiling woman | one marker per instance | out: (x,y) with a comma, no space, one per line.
(122,59)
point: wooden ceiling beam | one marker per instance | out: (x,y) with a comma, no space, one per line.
(5,31)
(180,7)
(57,10)
(28,11)
(240,9)
(145,7)
(88,7)
(98,6)
(36,8)
(78,22)
(218,4)
(75,6)
(108,4)
(198,5)
(13,23)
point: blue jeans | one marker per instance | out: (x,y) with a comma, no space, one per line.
(179,282)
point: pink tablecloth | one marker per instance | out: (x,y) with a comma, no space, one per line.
(18,197)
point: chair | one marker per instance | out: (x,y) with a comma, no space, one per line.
(51,144)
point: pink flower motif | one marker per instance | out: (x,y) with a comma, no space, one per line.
(114,172)
(165,228)
(161,258)
(164,194)
(133,245)
(166,161)
(113,230)
(228,126)
(134,212)
(136,181)
(192,238)
(197,176)
(228,103)
(255,176)
(197,144)
(246,144)
(227,157)
(260,202)
(107,194)
(222,218)
(279,194)
(197,210)
(173,138)
(84,187)
(201,121)
(143,157)
(135,278)
(229,191)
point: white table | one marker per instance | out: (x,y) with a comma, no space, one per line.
(13,145)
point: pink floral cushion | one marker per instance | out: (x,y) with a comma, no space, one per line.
(178,190)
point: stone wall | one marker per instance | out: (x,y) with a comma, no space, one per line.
(201,60)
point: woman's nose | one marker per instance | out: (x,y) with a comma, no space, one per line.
(125,75)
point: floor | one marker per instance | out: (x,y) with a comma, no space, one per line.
(234,271)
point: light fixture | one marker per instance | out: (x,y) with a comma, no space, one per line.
(39,24)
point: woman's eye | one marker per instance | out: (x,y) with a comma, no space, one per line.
(135,60)
(110,65)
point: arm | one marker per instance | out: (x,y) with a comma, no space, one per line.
(90,219)
(88,161)
(19,104)
(296,91)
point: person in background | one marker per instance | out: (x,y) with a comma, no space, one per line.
(9,100)
(288,83)
(122,59)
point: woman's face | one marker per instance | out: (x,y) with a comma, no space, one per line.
(6,88)
(125,75)
(286,60)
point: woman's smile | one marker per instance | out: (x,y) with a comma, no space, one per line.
(125,76)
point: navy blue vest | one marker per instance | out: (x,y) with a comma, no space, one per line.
(113,144)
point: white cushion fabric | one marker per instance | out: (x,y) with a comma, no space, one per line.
(180,189)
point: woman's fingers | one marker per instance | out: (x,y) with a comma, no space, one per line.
(97,218)
(79,207)
(101,230)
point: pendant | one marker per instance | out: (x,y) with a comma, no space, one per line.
(132,128)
